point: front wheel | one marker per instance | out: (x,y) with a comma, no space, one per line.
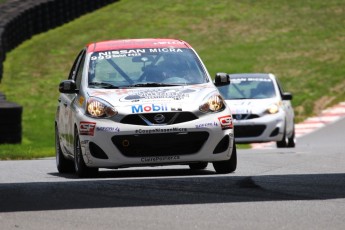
(228,166)
(287,142)
(81,169)
(291,140)
(283,143)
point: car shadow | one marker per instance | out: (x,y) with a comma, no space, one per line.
(147,188)
(139,173)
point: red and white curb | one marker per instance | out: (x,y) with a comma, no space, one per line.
(311,124)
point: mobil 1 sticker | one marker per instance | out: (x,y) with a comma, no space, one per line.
(150,108)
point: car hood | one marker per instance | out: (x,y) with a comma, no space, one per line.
(155,99)
(250,106)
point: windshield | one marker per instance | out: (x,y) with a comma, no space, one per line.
(248,88)
(145,68)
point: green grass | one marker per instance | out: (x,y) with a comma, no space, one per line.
(302,42)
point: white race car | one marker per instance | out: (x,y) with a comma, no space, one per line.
(141,102)
(262,111)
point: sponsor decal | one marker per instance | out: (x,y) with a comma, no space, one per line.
(108,129)
(132,53)
(242,79)
(149,108)
(117,54)
(176,109)
(160,130)
(260,79)
(158,159)
(165,50)
(226,122)
(87,128)
(84,143)
(175,94)
(208,124)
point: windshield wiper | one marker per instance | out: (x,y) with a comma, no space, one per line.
(151,84)
(103,85)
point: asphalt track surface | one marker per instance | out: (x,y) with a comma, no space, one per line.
(297,188)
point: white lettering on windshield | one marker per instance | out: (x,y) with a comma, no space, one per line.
(166,50)
(239,80)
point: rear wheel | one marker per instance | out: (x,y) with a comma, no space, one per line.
(198,166)
(228,166)
(81,169)
(63,165)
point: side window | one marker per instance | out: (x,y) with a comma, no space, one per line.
(79,70)
(281,90)
(73,72)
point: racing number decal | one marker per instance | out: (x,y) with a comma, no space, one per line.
(226,122)
(87,128)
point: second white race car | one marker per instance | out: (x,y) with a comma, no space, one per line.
(262,111)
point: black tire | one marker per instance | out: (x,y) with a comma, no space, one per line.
(81,169)
(63,165)
(198,166)
(284,142)
(291,140)
(228,166)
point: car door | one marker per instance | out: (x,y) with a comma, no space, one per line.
(67,108)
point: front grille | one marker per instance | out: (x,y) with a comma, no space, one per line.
(163,144)
(249,130)
(148,119)
(244,116)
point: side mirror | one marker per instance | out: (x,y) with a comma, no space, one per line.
(287,96)
(68,86)
(221,79)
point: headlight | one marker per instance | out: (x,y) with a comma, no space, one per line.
(213,103)
(100,109)
(274,108)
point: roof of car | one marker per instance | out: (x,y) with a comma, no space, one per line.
(136,44)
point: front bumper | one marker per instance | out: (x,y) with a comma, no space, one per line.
(266,128)
(114,145)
